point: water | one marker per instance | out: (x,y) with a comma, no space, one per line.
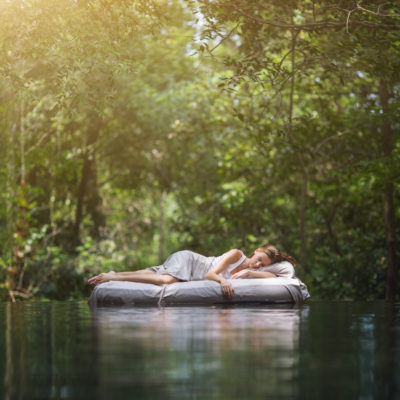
(324,350)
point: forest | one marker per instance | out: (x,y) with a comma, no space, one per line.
(131,129)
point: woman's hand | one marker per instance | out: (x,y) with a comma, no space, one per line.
(227,288)
(243,274)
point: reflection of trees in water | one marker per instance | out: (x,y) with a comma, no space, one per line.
(13,355)
(44,350)
(376,353)
(61,350)
(348,350)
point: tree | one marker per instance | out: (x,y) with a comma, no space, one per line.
(284,45)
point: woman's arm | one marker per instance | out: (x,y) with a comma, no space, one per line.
(229,258)
(251,273)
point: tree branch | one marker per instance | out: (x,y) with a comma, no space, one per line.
(376,13)
(316,26)
(223,39)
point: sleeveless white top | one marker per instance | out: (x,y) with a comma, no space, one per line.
(227,272)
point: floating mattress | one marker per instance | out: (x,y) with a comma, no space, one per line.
(272,290)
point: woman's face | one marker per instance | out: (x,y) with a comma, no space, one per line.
(259,259)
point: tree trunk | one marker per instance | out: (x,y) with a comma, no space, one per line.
(388,204)
(11,212)
(161,228)
(86,171)
(21,225)
(88,188)
(304,173)
(94,201)
(303,227)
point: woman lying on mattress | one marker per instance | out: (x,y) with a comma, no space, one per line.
(266,262)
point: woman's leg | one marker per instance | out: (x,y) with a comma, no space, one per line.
(139,271)
(93,279)
(146,277)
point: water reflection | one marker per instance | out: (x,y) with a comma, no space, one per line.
(211,352)
(350,348)
(324,350)
(48,351)
(217,328)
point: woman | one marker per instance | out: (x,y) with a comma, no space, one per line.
(189,266)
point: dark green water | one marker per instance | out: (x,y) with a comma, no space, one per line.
(324,350)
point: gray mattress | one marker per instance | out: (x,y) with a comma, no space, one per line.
(273,290)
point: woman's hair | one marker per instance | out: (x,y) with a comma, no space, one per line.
(276,255)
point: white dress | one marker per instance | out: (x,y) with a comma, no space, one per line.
(187,265)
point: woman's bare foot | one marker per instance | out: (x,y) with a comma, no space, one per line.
(101,278)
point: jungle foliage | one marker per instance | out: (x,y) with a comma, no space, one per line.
(132,129)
